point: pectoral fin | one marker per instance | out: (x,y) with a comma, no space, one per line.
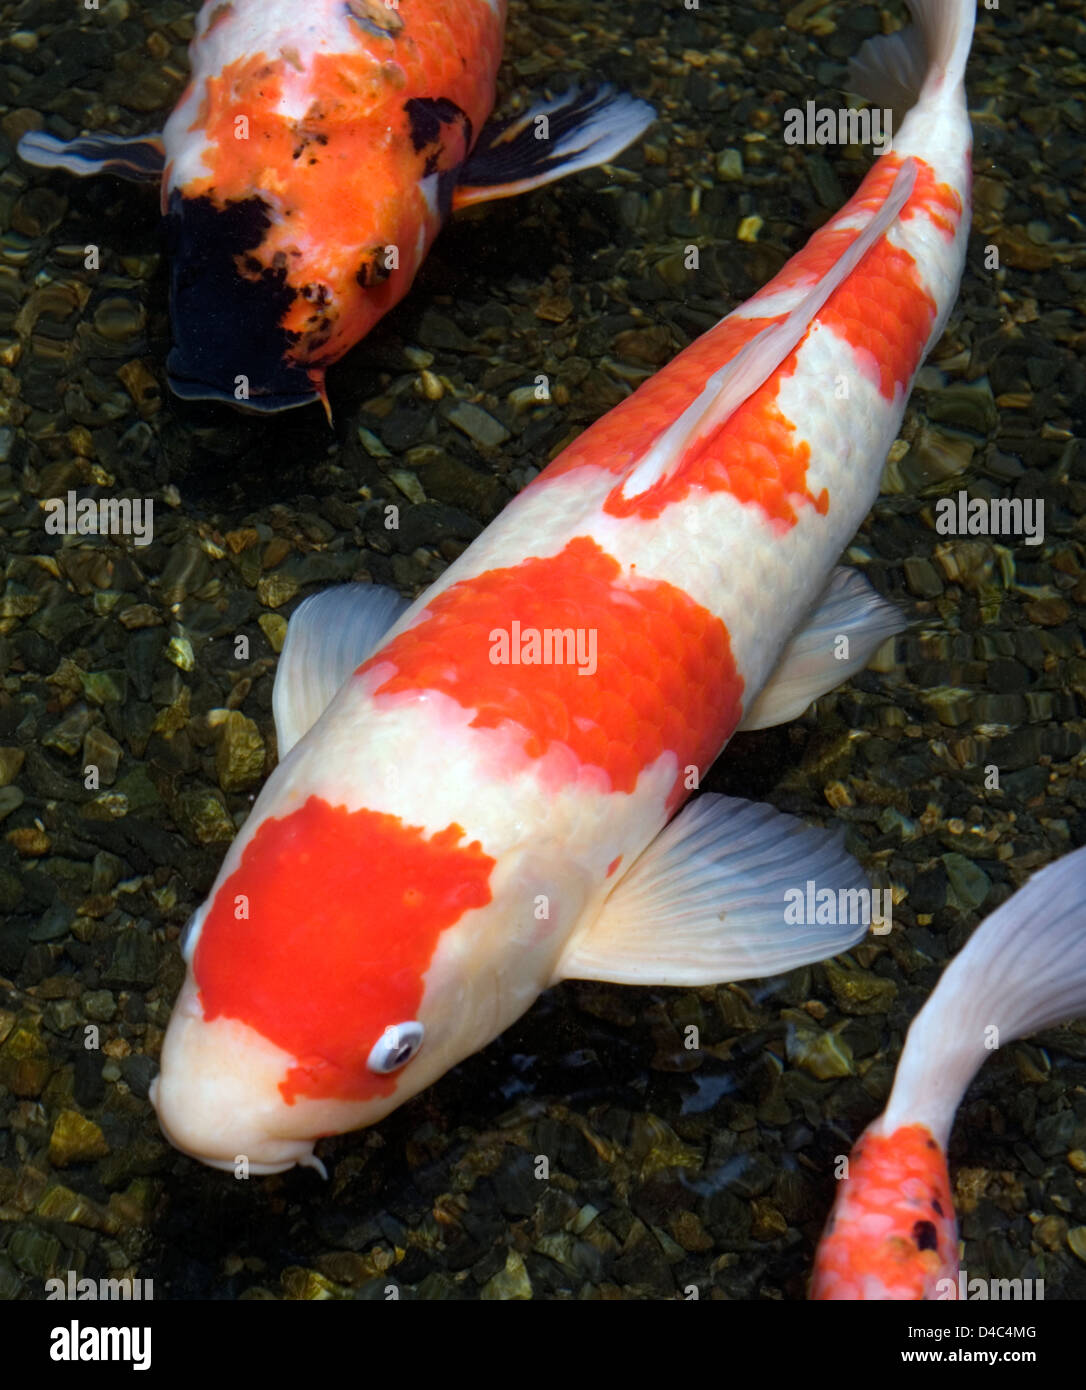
(712,899)
(838,637)
(551,139)
(139,158)
(328,636)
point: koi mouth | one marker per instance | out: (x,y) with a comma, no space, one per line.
(272,1156)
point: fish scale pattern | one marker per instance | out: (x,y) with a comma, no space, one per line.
(665,680)
(757,456)
(614,442)
(883,312)
(893,1232)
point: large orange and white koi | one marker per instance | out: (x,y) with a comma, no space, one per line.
(310,164)
(478,795)
(893,1232)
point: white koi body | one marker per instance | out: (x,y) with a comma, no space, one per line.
(448,833)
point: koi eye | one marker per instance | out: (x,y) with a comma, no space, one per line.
(395,1047)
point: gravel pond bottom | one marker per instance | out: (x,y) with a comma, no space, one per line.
(667,1167)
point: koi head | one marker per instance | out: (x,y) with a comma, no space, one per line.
(229,1094)
(220,1095)
(217,1096)
(344,962)
(286,247)
(230,311)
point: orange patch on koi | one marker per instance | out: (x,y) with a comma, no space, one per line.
(327,971)
(901,1177)
(665,681)
(755,455)
(938,201)
(619,438)
(884,310)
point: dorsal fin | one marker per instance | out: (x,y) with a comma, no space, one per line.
(732,384)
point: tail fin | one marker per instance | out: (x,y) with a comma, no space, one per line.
(1022,970)
(896,69)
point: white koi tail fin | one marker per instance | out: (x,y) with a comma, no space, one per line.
(1022,970)
(927,58)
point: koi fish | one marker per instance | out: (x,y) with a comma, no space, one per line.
(311,162)
(466,812)
(893,1233)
